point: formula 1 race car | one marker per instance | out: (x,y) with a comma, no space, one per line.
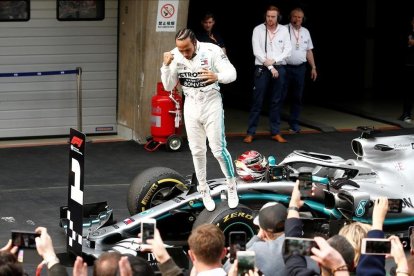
(341,191)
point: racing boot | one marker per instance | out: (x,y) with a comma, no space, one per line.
(207,200)
(232,196)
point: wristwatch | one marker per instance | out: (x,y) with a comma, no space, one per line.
(50,261)
(293,208)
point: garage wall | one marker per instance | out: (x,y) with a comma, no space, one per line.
(47,105)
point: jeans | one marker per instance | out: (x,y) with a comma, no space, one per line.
(295,83)
(263,83)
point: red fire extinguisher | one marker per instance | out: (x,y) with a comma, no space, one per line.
(166,120)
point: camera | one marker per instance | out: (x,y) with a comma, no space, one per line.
(301,246)
(373,246)
(237,242)
(24,239)
(147,229)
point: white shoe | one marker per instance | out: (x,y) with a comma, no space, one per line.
(207,200)
(232,197)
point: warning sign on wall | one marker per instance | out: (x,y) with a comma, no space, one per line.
(167,15)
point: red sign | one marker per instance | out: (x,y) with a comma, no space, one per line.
(167,11)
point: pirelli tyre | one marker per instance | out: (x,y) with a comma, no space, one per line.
(228,220)
(152,187)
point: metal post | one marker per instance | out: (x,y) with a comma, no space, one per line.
(79,96)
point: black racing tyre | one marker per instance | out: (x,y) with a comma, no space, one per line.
(228,220)
(174,142)
(152,187)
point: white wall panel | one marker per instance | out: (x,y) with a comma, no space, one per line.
(47,105)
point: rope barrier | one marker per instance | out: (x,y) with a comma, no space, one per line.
(44,73)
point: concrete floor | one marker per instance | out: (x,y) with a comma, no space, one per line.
(24,204)
(326,117)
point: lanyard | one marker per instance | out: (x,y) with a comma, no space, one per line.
(296,37)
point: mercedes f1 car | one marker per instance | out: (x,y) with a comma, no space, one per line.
(343,191)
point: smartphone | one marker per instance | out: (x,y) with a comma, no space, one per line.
(395,205)
(237,242)
(305,184)
(373,246)
(300,246)
(246,260)
(24,239)
(147,229)
(276,173)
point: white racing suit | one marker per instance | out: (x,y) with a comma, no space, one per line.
(203,107)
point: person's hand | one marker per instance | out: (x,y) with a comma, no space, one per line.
(326,255)
(253,273)
(268,62)
(379,213)
(44,247)
(80,268)
(124,266)
(314,74)
(295,200)
(233,269)
(9,248)
(208,76)
(168,58)
(156,246)
(275,73)
(397,252)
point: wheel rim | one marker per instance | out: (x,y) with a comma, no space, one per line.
(162,196)
(175,144)
(159,197)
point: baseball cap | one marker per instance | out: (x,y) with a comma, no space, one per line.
(272,217)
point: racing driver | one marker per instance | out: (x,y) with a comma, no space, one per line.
(200,67)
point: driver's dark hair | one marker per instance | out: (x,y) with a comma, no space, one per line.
(184,34)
